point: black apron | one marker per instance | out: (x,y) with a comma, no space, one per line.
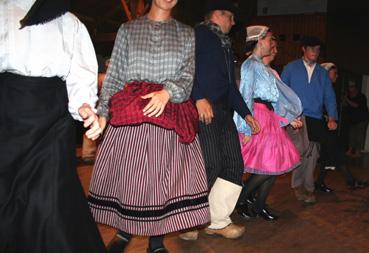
(42,205)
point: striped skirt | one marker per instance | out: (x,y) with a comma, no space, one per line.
(145,182)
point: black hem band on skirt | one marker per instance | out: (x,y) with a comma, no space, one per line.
(145,182)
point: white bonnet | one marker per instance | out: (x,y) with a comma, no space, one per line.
(255,32)
(328,65)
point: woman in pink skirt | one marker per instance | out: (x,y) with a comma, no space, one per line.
(274,105)
(149,177)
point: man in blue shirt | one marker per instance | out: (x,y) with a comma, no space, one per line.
(312,84)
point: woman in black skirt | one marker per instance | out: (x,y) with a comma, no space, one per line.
(46,67)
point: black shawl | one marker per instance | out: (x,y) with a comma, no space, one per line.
(43,11)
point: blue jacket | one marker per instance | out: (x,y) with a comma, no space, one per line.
(315,95)
(214,74)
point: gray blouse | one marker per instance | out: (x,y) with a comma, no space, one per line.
(158,52)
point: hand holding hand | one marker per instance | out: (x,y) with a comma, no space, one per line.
(246,139)
(253,123)
(296,123)
(90,119)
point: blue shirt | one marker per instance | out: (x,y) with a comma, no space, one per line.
(258,81)
(315,95)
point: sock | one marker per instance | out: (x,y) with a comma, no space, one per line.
(156,242)
(123,235)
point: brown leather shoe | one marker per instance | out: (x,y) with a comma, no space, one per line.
(190,235)
(231,231)
(310,198)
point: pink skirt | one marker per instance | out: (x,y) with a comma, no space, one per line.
(271,151)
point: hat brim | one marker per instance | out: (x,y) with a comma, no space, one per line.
(311,41)
(222,6)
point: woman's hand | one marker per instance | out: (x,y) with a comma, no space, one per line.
(246,139)
(253,123)
(296,123)
(91,120)
(102,122)
(156,106)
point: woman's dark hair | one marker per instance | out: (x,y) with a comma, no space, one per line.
(333,67)
(250,46)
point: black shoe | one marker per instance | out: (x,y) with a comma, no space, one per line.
(158,250)
(323,188)
(358,185)
(85,161)
(245,210)
(266,215)
(117,244)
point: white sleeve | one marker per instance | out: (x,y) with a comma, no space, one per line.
(82,77)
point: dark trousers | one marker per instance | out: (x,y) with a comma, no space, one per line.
(332,154)
(258,187)
(221,148)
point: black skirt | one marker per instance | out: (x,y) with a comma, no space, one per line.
(42,205)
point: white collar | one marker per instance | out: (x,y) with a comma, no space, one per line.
(308,65)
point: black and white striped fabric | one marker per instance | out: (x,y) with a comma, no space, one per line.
(221,148)
(147,183)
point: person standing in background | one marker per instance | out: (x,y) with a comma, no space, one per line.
(332,155)
(357,115)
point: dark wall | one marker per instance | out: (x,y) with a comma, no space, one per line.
(348,35)
(103,17)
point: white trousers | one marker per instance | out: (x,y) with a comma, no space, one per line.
(222,201)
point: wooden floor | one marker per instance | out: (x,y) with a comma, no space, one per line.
(339,222)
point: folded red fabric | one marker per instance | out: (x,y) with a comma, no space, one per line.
(127,109)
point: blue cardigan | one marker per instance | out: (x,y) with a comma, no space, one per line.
(214,73)
(315,95)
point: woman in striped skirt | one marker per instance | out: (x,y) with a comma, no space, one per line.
(149,177)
